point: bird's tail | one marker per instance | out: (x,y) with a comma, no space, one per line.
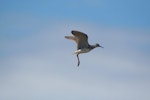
(70,37)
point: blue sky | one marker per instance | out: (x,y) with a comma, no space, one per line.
(37,62)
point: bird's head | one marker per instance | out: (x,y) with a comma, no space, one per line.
(97,45)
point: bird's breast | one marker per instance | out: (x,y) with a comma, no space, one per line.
(82,51)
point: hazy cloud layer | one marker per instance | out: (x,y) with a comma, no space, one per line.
(41,65)
(37,62)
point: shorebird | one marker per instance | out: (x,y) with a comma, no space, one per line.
(81,40)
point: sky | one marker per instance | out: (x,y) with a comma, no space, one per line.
(37,62)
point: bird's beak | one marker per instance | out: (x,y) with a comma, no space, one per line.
(101,46)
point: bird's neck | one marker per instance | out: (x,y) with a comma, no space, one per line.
(92,46)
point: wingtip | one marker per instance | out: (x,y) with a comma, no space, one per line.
(72,31)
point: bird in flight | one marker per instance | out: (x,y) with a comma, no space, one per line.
(81,40)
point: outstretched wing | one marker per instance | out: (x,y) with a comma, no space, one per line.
(81,39)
